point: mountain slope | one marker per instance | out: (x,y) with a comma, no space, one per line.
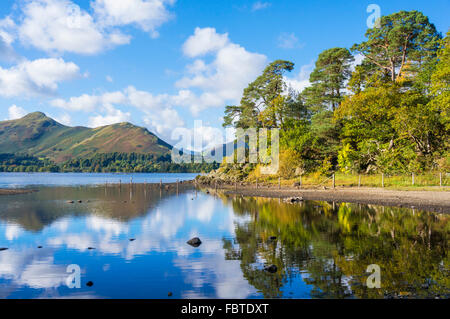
(38,135)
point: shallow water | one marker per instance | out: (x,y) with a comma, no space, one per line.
(321,250)
(19,180)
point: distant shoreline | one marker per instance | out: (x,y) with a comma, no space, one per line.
(6,191)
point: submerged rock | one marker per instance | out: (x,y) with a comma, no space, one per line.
(89,284)
(132,239)
(39,247)
(195,242)
(170,294)
(272,269)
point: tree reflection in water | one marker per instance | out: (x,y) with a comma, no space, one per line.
(332,245)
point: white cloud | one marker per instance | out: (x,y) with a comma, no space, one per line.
(60,26)
(158,113)
(7,37)
(288,41)
(16,112)
(222,80)
(204,41)
(259,5)
(215,83)
(89,103)
(301,81)
(109,79)
(113,116)
(64,119)
(36,77)
(146,14)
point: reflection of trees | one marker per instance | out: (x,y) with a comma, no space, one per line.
(335,246)
(36,210)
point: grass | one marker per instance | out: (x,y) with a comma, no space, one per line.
(429,181)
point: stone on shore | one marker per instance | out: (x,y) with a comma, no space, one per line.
(293,200)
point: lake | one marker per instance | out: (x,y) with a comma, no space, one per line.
(130,242)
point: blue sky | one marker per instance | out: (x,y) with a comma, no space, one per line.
(163,63)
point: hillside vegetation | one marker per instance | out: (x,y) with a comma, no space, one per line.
(40,136)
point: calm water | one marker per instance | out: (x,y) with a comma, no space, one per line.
(17,180)
(321,250)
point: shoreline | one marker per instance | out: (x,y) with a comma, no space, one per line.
(434,201)
(16,191)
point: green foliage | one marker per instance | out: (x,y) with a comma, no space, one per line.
(328,79)
(262,103)
(393,118)
(114,162)
(405,37)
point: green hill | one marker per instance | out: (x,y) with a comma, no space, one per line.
(40,136)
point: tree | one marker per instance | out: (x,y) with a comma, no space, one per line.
(403,37)
(262,103)
(440,83)
(328,79)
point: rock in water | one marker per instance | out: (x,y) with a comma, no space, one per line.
(91,248)
(293,200)
(89,284)
(170,294)
(3,248)
(132,239)
(272,269)
(195,242)
(70,202)
(39,247)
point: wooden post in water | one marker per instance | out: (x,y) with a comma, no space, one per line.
(382,180)
(334,180)
(120,183)
(160,184)
(177,185)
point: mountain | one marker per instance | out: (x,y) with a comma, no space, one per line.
(38,135)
